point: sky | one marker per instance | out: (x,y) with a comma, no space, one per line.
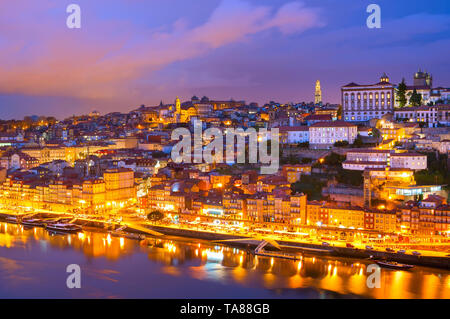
(133,52)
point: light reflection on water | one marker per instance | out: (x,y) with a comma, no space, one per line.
(32,264)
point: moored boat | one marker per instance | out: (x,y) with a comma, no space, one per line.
(12,219)
(119,233)
(393,265)
(63,228)
(34,222)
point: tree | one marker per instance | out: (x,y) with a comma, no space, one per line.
(303,144)
(158,154)
(401,94)
(341,144)
(415,99)
(309,185)
(376,133)
(426,177)
(358,141)
(350,177)
(291,160)
(334,159)
(155,216)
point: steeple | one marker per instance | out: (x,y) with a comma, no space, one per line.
(384,78)
(177,105)
(318,94)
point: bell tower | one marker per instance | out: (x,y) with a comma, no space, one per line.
(177,105)
(318,94)
(384,78)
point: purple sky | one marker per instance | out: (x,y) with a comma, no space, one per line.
(132,52)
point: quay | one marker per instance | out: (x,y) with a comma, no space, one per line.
(308,248)
(246,242)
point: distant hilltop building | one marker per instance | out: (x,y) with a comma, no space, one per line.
(365,102)
(318,95)
(423,84)
(182,112)
(423,79)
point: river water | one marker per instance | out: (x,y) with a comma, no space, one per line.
(33,264)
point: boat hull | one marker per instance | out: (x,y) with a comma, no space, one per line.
(394,266)
(33,223)
(63,230)
(127,235)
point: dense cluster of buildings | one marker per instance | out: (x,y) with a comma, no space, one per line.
(100,164)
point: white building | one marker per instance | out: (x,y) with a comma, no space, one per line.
(360,159)
(431,115)
(295,134)
(423,84)
(325,134)
(444,147)
(365,102)
(413,161)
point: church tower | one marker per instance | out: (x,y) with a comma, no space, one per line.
(318,95)
(177,106)
(384,78)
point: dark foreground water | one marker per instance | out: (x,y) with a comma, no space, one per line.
(33,265)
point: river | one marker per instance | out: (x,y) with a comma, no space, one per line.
(33,264)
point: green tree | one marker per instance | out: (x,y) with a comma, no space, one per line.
(155,216)
(309,185)
(416,98)
(358,141)
(334,159)
(401,94)
(291,160)
(376,132)
(303,144)
(350,177)
(341,143)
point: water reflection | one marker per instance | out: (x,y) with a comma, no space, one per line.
(226,265)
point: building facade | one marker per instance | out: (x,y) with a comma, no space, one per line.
(365,102)
(325,134)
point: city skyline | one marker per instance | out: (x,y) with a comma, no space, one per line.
(128,54)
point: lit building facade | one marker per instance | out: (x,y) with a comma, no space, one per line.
(119,184)
(365,102)
(325,134)
(361,159)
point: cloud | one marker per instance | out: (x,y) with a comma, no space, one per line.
(335,55)
(293,17)
(40,56)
